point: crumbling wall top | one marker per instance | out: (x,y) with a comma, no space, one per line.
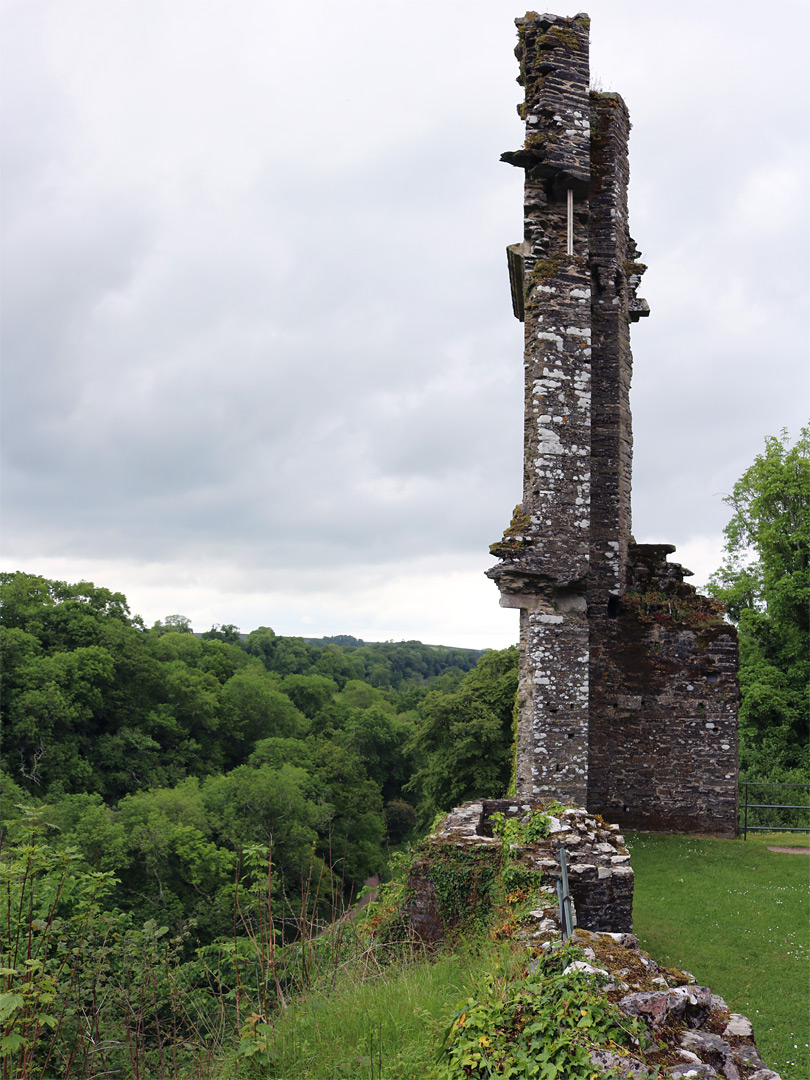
(554,72)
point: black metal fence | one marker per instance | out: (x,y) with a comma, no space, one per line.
(767,806)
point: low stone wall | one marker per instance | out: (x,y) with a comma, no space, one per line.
(694,1033)
(599,873)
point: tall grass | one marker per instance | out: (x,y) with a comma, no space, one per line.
(738,917)
(383,1025)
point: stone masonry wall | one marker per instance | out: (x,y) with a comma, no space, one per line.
(599,872)
(545,551)
(612,291)
(692,1032)
(623,707)
(663,730)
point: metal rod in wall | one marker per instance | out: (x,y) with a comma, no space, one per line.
(570,238)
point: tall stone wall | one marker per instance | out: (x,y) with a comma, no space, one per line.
(545,552)
(614,713)
(614,275)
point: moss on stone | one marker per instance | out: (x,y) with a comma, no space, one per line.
(540,138)
(686,608)
(557,36)
(631,267)
(513,537)
(545,268)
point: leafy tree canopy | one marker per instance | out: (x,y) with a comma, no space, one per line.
(765,584)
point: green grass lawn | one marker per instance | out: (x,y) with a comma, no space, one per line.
(737,916)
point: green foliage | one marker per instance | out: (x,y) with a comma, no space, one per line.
(515,832)
(94,702)
(163,755)
(351,825)
(381,738)
(463,740)
(384,1022)
(400,820)
(50,909)
(309,693)
(353,828)
(541,1025)
(253,708)
(465,881)
(765,584)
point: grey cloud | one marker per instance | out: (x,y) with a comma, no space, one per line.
(256,306)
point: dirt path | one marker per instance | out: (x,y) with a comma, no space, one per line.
(370,883)
(791,850)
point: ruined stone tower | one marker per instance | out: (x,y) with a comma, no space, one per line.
(628,687)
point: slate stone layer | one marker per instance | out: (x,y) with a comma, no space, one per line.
(627,692)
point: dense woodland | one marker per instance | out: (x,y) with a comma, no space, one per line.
(163,755)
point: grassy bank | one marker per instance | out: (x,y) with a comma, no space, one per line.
(738,917)
(732,912)
(388,1026)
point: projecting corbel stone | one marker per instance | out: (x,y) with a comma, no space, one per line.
(638,309)
(522,589)
(535,159)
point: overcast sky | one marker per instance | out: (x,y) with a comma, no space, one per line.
(259,357)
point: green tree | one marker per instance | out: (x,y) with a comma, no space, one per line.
(51,722)
(253,708)
(381,739)
(262,644)
(765,584)
(309,693)
(173,624)
(351,828)
(85,823)
(59,615)
(463,740)
(226,632)
(176,871)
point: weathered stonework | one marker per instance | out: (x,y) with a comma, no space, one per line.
(623,707)
(599,872)
(692,1032)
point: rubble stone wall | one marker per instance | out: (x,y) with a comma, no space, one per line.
(663,707)
(599,872)
(693,1033)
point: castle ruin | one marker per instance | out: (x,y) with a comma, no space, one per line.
(628,678)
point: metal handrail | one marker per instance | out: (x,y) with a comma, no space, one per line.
(564,898)
(795,784)
(776,783)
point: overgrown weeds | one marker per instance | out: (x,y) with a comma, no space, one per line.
(85,991)
(545,1023)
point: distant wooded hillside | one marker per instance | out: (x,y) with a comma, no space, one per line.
(165,755)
